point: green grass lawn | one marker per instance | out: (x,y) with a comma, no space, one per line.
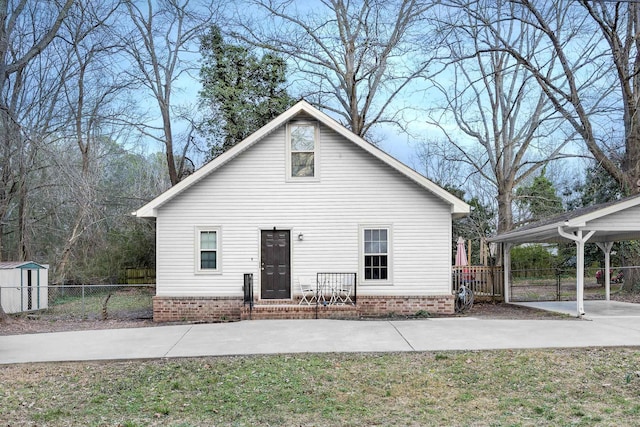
(579,387)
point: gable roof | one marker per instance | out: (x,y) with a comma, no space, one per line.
(458,207)
(25,265)
(598,218)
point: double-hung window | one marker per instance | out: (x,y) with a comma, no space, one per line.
(302,149)
(376,254)
(208,248)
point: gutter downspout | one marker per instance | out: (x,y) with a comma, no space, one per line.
(580,241)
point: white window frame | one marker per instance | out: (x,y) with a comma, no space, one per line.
(198,232)
(362,254)
(316,152)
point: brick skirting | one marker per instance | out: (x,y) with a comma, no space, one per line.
(221,309)
(196,309)
(378,306)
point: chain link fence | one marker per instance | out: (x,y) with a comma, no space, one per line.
(79,302)
(559,284)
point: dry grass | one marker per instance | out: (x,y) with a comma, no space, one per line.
(491,388)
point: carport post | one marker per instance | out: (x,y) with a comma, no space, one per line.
(506,270)
(606,248)
(580,241)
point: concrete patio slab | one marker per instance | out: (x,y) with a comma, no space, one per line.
(593,309)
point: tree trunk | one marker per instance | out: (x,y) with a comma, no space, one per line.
(631,161)
(505,215)
(631,279)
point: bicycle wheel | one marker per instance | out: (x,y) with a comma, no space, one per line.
(464,302)
(468,301)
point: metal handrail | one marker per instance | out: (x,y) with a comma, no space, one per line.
(248,292)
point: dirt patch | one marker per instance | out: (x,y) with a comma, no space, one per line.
(509,311)
(24,325)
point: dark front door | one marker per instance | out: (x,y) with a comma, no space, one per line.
(275,264)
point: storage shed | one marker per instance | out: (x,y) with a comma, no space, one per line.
(23,286)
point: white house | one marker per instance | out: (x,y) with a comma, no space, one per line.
(300,196)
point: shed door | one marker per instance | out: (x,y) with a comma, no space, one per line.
(29,291)
(275,264)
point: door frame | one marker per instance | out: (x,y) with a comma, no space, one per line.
(290,265)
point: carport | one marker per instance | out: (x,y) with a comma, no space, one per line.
(601,224)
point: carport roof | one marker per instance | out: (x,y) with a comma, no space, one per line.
(612,222)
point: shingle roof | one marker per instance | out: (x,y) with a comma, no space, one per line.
(547,230)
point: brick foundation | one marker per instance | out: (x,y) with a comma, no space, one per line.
(196,309)
(378,306)
(220,309)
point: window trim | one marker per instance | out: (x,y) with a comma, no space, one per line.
(362,254)
(197,260)
(316,152)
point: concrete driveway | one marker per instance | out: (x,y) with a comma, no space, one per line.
(319,336)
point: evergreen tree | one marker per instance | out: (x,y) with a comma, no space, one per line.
(598,187)
(242,91)
(539,200)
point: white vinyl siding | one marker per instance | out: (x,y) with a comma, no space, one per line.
(625,220)
(254,192)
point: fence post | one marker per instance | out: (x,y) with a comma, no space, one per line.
(84,315)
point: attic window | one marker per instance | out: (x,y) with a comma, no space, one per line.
(303,145)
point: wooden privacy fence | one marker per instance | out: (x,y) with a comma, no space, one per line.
(487,283)
(141,276)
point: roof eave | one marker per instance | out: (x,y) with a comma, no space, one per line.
(528,236)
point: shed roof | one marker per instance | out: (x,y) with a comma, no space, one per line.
(30,265)
(611,222)
(458,207)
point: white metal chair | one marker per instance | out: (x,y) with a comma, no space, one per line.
(343,290)
(308,292)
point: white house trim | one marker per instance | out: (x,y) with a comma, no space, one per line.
(458,207)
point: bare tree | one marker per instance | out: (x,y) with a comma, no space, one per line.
(90,90)
(163,37)
(355,58)
(588,38)
(505,126)
(26,29)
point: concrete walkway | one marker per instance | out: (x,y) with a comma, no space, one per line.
(317,336)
